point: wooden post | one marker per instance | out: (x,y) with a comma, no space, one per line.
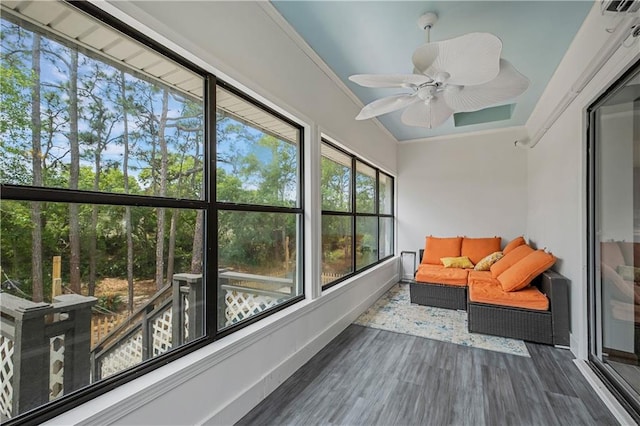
(192,283)
(56,284)
(77,351)
(30,356)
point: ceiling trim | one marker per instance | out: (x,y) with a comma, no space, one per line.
(304,46)
(518,132)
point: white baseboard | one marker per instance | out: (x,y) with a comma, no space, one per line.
(605,395)
(252,396)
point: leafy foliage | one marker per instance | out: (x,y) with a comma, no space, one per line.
(134,136)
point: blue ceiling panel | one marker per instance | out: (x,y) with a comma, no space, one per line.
(379,37)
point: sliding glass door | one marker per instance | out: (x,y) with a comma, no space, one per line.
(614,237)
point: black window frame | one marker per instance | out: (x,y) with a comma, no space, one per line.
(260,208)
(207,203)
(354,215)
(620,390)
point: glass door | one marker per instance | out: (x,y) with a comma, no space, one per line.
(614,237)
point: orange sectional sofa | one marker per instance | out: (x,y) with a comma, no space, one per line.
(506,292)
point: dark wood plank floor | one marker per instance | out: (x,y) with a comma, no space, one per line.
(374,377)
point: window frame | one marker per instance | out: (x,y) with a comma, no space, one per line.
(261,208)
(622,391)
(207,203)
(354,215)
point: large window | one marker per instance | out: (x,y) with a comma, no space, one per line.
(357,215)
(614,238)
(118,229)
(259,202)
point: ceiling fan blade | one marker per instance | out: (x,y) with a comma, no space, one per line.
(429,114)
(389,80)
(385,105)
(508,84)
(468,60)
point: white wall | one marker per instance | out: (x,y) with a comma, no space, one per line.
(556,166)
(473,185)
(242,43)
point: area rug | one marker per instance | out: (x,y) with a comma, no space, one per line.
(394,312)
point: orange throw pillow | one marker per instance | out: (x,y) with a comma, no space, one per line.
(510,259)
(436,248)
(477,249)
(524,271)
(516,242)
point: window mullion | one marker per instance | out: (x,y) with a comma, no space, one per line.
(211,247)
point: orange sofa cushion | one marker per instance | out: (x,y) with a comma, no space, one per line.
(516,242)
(478,248)
(480,276)
(435,248)
(438,274)
(521,274)
(510,259)
(491,292)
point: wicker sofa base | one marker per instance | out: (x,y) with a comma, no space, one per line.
(438,295)
(550,327)
(524,324)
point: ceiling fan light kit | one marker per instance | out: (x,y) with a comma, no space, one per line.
(461,74)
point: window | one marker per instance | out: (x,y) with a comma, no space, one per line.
(357,215)
(116,229)
(614,237)
(259,201)
(103,205)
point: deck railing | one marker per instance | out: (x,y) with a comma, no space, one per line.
(244,295)
(44,350)
(153,329)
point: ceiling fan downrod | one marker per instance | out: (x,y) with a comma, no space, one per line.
(426,21)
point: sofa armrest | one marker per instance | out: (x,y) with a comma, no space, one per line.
(556,287)
(421,251)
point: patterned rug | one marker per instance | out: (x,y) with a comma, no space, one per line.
(394,312)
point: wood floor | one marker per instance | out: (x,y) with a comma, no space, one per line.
(374,377)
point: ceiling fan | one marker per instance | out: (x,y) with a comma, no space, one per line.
(461,74)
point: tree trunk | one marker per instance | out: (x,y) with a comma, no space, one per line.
(74,175)
(36,207)
(127,209)
(94,225)
(164,163)
(287,254)
(175,214)
(196,249)
(196,252)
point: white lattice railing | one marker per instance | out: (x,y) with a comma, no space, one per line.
(185,303)
(6,376)
(243,303)
(56,367)
(127,354)
(161,332)
(328,277)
